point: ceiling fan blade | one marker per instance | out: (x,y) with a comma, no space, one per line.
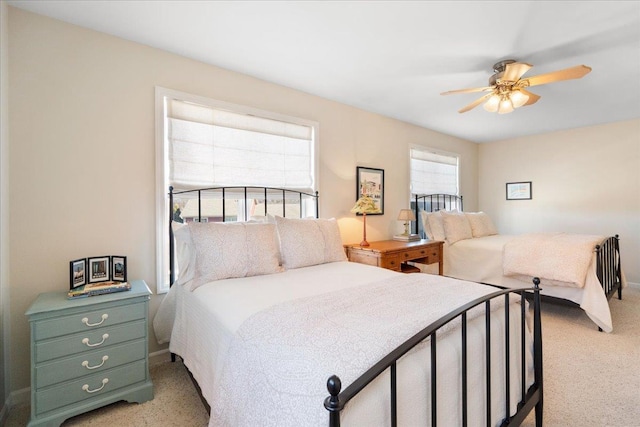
(576,72)
(515,70)
(475,89)
(533,98)
(475,103)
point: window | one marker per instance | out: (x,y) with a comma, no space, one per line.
(202,142)
(432,172)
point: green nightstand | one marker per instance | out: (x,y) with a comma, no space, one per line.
(88,352)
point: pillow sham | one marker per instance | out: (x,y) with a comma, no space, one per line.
(309,241)
(233,249)
(424,219)
(481,224)
(456,226)
(436,225)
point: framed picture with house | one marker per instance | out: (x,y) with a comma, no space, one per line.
(77,273)
(119,268)
(98,269)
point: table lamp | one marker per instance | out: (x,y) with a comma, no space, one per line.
(407,216)
(365,205)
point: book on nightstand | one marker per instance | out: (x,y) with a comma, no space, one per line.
(101,288)
(406,237)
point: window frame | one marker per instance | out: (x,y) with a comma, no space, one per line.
(162,172)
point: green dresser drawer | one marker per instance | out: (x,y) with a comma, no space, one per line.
(87,321)
(89,363)
(90,387)
(86,341)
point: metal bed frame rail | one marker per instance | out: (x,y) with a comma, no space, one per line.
(608,266)
(529,398)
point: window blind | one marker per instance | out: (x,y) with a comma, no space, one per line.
(433,173)
(214,147)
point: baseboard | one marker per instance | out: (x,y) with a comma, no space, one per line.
(160,356)
(4,413)
(19,398)
(633,285)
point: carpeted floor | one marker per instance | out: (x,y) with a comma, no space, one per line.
(591,379)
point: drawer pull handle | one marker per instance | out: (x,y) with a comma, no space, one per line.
(86,363)
(104,317)
(406,255)
(86,341)
(422,252)
(86,386)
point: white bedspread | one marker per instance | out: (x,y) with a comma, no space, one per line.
(481,260)
(266,345)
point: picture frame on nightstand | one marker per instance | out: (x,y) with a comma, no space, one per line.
(77,273)
(119,268)
(99,269)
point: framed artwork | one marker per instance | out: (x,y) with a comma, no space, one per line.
(370,182)
(519,190)
(119,268)
(99,269)
(78,273)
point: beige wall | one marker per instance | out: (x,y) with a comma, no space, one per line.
(585,180)
(4,206)
(82,155)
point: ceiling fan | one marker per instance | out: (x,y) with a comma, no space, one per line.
(507,90)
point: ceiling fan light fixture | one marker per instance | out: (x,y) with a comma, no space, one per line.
(505,105)
(518,99)
(492,104)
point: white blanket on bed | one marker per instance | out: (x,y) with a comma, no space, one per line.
(282,356)
(559,257)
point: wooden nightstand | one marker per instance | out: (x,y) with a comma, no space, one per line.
(394,254)
(87,353)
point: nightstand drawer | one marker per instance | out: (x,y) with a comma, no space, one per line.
(89,320)
(89,363)
(391,262)
(90,340)
(93,386)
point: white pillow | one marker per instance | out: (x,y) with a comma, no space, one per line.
(481,224)
(183,252)
(424,219)
(233,249)
(436,225)
(305,242)
(456,226)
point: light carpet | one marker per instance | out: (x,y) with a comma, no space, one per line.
(591,378)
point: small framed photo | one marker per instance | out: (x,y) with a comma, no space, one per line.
(119,268)
(99,269)
(370,182)
(519,190)
(78,273)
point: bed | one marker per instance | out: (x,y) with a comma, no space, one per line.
(280,323)
(581,269)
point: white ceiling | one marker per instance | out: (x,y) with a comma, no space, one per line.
(395,57)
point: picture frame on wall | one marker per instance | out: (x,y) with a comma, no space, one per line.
(119,268)
(370,182)
(99,270)
(519,190)
(77,273)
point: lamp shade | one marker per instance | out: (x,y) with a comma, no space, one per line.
(406,215)
(365,205)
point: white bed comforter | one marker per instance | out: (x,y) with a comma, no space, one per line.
(262,348)
(481,260)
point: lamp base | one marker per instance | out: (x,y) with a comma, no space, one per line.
(364,243)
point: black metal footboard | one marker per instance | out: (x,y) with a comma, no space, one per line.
(608,266)
(529,398)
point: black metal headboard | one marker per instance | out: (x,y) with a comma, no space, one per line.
(203,210)
(433,203)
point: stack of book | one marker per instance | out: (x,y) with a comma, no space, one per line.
(406,237)
(98,289)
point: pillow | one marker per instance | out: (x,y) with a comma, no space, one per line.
(481,224)
(424,219)
(436,225)
(233,249)
(184,256)
(305,242)
(456,226)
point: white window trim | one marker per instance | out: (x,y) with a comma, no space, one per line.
(162,223)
